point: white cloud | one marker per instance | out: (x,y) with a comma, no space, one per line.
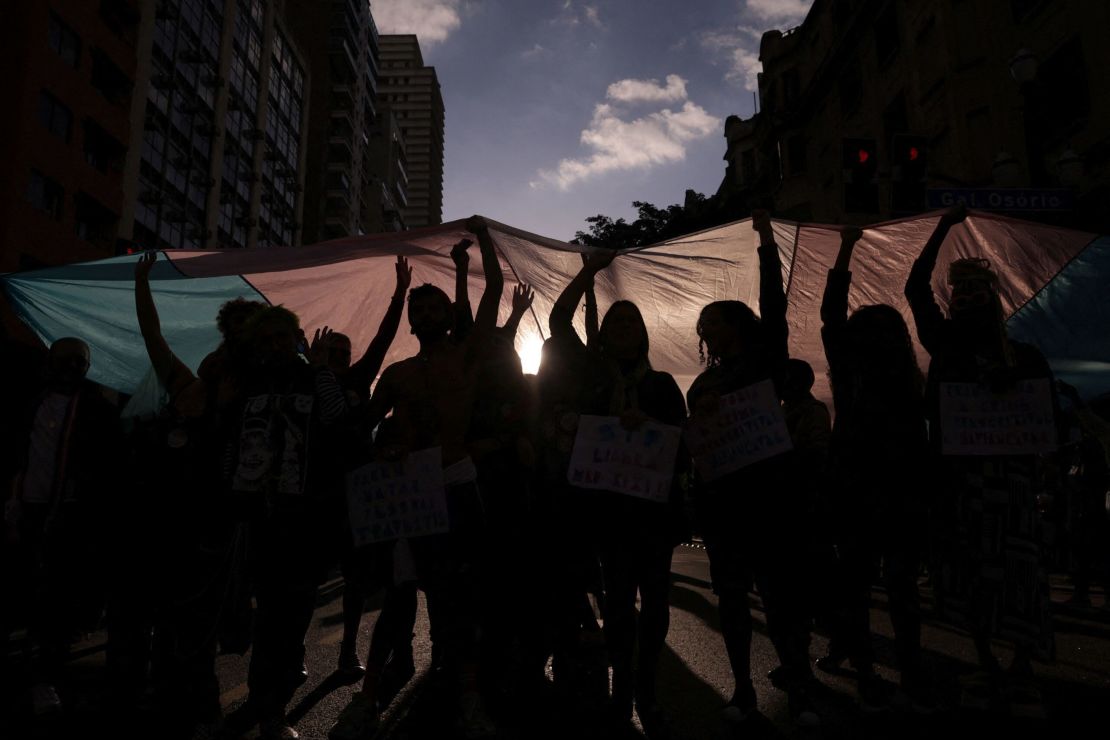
(740,50)
(791,11)
(648,91)
(432,20)
(592,15)
(620,145)
(570,15)
(535,52)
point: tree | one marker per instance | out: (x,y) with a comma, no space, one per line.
(652,224)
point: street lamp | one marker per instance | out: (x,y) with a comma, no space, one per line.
(1006,170)
(1023,68)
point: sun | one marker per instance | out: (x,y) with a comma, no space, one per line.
(530,349)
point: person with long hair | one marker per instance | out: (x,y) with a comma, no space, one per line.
(746,516)
(635,537)
(878,469)
(988,575)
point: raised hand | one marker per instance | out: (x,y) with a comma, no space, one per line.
(761,221)
(459,254)
(145,264)
(954,215)
(598,261)
(404,276)
(476,224)
(523,295)
(318,349)
(850,234)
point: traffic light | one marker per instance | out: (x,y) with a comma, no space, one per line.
(860,163)
(126,246)
(909,157)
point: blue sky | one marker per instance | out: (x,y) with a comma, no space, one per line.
(560,109)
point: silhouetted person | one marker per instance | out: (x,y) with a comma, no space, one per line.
(879,469)
(988,575)
(635,536)
(432,397)
(67,463)
(285,407)
(184,532)
(356,379)
(748,517)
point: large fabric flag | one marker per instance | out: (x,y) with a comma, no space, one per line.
(1052,288)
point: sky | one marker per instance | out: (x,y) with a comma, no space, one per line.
(561,109)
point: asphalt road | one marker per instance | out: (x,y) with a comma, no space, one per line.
(695,681)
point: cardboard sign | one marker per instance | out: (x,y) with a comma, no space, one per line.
(748,427)
(387,500)
(637,462)
(976,421)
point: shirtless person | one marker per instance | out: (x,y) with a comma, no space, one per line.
(432,397)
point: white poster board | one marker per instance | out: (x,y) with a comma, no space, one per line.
(749,426)
(390,500)
(636,462)
(974,420)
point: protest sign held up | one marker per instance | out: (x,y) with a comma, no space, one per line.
(748,427)
(974,420)
(389,500)
(636,462)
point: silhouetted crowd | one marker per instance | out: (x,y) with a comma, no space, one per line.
(207,526)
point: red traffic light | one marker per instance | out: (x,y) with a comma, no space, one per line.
(863,155)
(914,154)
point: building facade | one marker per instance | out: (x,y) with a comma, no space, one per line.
(340,41)
(66,129)
(218,156)
(1000,93)
(385,188)
(412,91)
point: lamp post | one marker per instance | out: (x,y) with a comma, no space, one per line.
(1023,68)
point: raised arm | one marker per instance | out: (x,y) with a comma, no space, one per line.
(834,305)
(371,361)
(171,372)
(919,286)
(523,295)
(591,312)
(561,321)
(772,294)
(486,319)
(464,316)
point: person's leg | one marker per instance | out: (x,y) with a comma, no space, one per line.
(619,571)
(655,616)
(900,574)
(354,603)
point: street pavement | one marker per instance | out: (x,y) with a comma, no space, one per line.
(695,681)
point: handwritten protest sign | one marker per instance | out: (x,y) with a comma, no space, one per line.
(636,462)
(976,421)
(748,427)
(401,499)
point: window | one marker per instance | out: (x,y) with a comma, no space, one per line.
(791,87)
(46,194)
(55,117)
(63,40)
(93,222)
(102,150)
(109,79)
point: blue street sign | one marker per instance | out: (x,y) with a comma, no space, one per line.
(1004,199)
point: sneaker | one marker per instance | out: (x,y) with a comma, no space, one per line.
(1025,700)
(875,695)
(978,689)
(802,711)
(277,729)
(741,707)
(349,666)
(44,700)
(472,720)
(358,721)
